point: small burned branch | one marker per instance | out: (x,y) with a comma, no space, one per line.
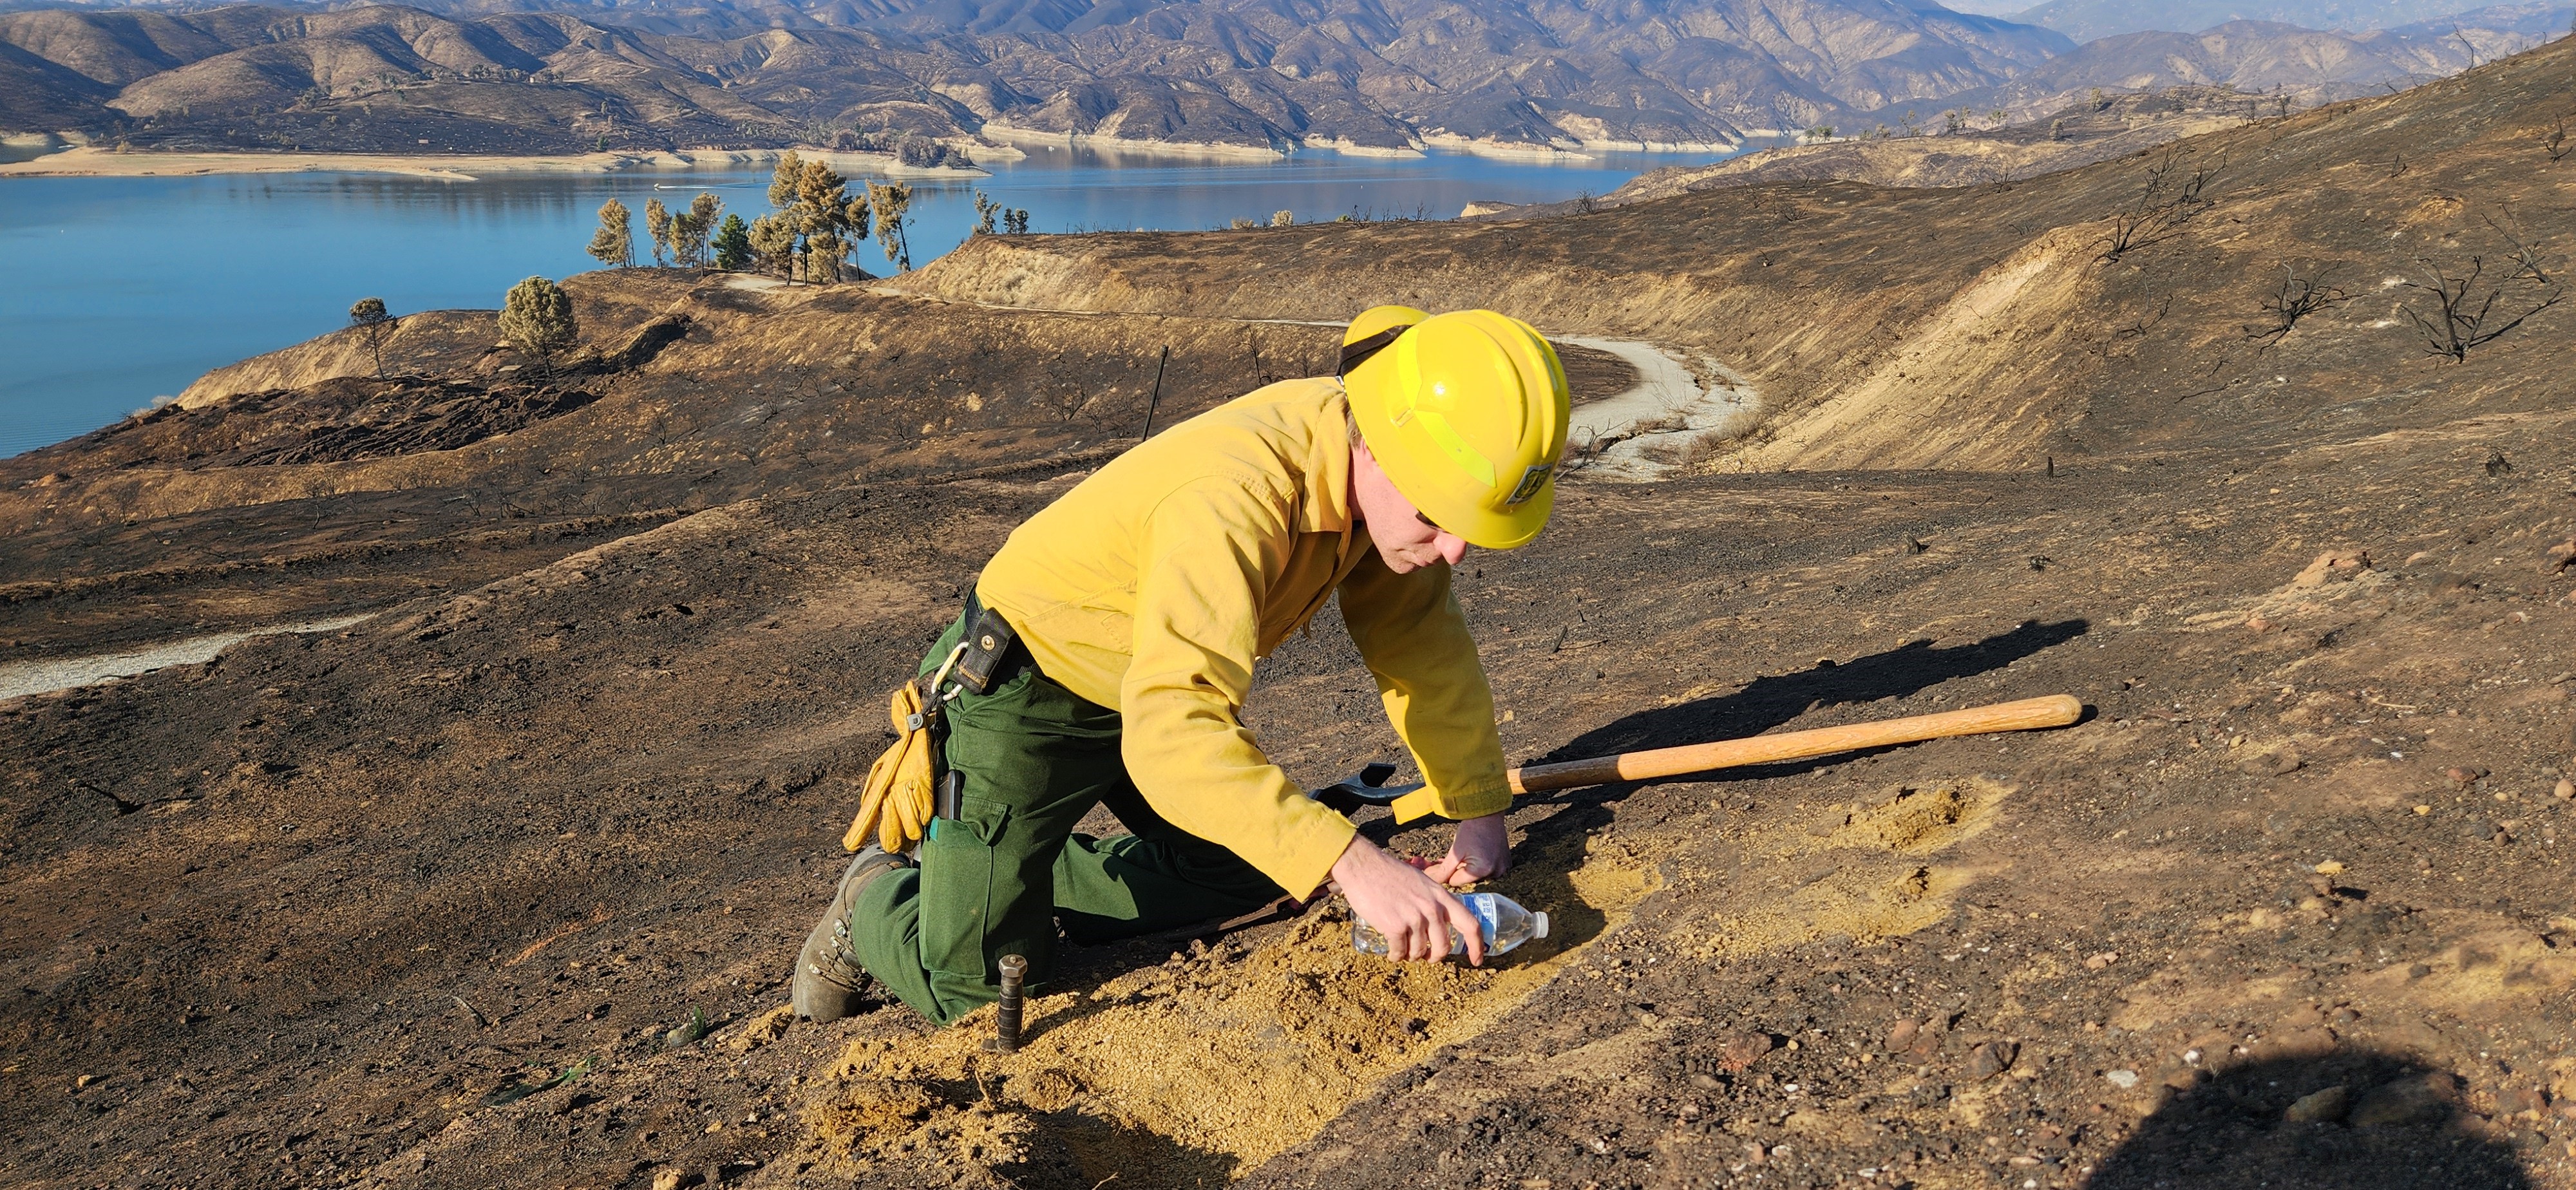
(2132,230)
(2161,209)
(2556,142)
(2462,315)
(2527,261)
(2294,298)
(2201,176)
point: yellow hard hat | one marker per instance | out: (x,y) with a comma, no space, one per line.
(1466,412)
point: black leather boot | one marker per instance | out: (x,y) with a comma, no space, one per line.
(828,977)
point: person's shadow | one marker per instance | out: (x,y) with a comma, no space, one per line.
(2349,1120)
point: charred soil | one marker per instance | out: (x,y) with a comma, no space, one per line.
(501,886)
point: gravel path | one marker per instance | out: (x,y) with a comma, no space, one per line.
(65,673)
(1667,407)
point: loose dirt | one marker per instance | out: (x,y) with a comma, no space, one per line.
(1198,1069)
(441,898)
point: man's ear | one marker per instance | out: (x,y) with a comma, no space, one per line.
(1361,462)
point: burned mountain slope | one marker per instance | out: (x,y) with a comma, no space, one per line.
(301,464)
(1243,76)
(2131,302)
(595,799)
(500,885)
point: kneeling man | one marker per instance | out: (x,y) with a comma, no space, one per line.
(1108,648)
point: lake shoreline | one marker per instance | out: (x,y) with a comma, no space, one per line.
(243,263)
(90,161)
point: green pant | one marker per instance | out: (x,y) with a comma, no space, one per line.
(997,879)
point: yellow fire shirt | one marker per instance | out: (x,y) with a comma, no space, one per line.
(1153,585)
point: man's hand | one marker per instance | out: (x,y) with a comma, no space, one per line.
(1402,902)
(1482,849)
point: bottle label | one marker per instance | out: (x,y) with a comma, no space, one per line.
(1483,906)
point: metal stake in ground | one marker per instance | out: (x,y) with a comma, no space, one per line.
(1006,1015)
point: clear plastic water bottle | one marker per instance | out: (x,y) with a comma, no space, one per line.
(1504,924)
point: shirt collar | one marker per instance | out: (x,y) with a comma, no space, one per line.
(1327,507)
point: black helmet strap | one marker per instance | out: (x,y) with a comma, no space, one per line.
(1358,351)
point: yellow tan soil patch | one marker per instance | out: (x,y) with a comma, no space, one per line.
(1202,1068)
(1865,904)
(1921,821)
(2491,966)
(1842,876)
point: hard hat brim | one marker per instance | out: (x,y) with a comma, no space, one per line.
(1487,530)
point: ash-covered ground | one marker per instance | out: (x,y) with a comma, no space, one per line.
(501,885)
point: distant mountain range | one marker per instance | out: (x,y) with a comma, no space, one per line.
(1247,74)
(1260,76)
(2086,20)
(2308,67)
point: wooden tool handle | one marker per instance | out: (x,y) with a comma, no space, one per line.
(2056,710)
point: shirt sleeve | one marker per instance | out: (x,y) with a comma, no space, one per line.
(1210,551)
(1414,637)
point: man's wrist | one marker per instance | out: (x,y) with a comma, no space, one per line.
(1356,853)
(1343,861)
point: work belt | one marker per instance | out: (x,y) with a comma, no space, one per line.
(993,652)
(988,653)
(910,784)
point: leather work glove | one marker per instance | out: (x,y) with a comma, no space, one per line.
(896,802)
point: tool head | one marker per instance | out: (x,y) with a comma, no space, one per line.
(1367,788)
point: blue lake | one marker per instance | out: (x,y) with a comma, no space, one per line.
(121,290)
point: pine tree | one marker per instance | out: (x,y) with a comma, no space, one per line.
(892,201)
(614,243)
(782,181)
(536,319)
(773,243)
(821,192)
(657,226)
(824,253)
(373,324)
(690,228)
(685,233)
(817,218)
(732,244)
(986,210)
(826,211)
(856,217)
(821,212)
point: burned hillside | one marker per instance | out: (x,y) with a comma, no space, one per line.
(501,884)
